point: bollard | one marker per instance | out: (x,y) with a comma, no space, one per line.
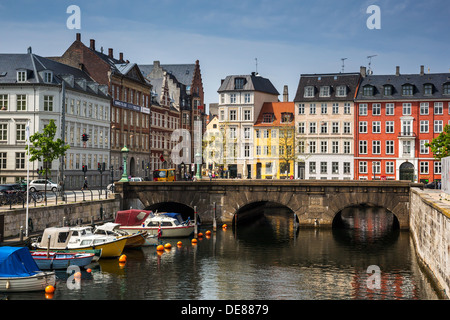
(195,221)
(21,233)
(214,218)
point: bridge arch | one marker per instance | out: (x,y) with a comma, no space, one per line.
(256,209)
(373,214)
(170,206)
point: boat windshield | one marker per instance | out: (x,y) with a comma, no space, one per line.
(85,242)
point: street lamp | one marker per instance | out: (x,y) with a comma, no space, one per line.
(198,160)
(125,152)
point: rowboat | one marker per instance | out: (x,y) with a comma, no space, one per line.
(135,240)
(80,238)
(60,260)
(20,273)
(164,224)
(97,252)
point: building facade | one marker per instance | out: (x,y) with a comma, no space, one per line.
(324,120)
(396,115)
(31,92)
(241,98)
(130,104)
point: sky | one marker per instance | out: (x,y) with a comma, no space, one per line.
(278,39)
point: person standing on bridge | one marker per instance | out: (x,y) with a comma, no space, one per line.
(85,185)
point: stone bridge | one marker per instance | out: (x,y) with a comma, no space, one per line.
(314,202)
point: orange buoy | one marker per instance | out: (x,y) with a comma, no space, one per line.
(167,246)
(49,289)
(160,248)
(123,258)
(88,270)
(224,226)
(194,241)
(200,235)
(179,243)
(48,296)
(208,232)
(77,275)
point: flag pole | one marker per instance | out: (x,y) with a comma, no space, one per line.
(27,132)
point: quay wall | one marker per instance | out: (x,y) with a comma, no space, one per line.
(430,230)
(52,215)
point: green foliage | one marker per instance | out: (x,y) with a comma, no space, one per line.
(440,146)
(45,148)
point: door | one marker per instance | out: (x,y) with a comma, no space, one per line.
(258,170)
(301,170)
(249,171)
(407,171)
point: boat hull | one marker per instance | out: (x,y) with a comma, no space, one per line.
(166,232)
(97,253)
(135,240)
(61,260)
(36,282)
(109,250)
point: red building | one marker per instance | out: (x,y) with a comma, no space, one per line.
(395,116)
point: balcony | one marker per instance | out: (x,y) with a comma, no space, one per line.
(407,135)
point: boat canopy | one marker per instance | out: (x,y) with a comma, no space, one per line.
(132,217)
(17,262)
(174,215)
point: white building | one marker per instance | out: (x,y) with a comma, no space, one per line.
(31,92)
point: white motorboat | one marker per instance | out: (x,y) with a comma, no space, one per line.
(164,224)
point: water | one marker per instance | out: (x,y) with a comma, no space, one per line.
(262,261)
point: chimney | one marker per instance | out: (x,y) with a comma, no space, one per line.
(92,44)
(121,56)
(362,70)
(78,37)
(285,94)
(397,70)
(422,70)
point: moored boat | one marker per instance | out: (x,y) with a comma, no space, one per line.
(61,260)
(80,238)
(20,273)
(134,240)
(164,224)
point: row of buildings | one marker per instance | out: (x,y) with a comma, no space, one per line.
(114,101)
(339,126)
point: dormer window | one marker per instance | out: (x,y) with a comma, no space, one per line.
(268,117)
(21,76)
(287,117)
(309,92)
(341,91)
(325,91)
(407,90)
(368,91)
(48,76)
(387,90)
(447,88)
(238,83)
(428,89)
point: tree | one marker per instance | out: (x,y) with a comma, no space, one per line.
(46,149)
(440,146)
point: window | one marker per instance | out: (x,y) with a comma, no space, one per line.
(406,127)
(389,147)
(335,127)
(437,167)
(222,115)
(376,147)
(247,115)
(20,160)
(347,127)
(423,126)
(335,167)
(368,91)
(363,147)
(406,148)
(323,146)
(335,108)
(387,90)
(438,108)
(438,126)
(341,91)
(363,127)
(407,90)
(446,88)
(48,77)
(246,151)
(48,103)
(247,98)
(324,91)
(347,108)
(3,160)
(233,98)
(428,89)
(363,109)
(20,132)
(301,147)
(406,109)
(21,76)
(376,167)
(389,126)
(238,83)
(324,127)
(312,147)
(309,92)
(323,108)
(232,133)
(21,102)
(301,127)
(233,115)
(423,147)
(287,117)
(312,127)
(347,147)
(312,108)
(362,167)
(3,102)
(312,167)
(376,109)
(376,126)
(390,167)
(3,132)
(424,108)
(301,108)
(265,133)
(246,133)
(347,168)
(323,167)
(424,167)
(335,147)
(268,117)
(390,109)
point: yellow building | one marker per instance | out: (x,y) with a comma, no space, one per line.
(275,148)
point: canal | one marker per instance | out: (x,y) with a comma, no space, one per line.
(264,260)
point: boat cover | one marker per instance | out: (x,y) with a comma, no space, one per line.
(132,217)
(174,215)
(17,262)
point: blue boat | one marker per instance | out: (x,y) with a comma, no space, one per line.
(61,260)
(20,273)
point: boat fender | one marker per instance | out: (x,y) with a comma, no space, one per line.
(30,225)
(7,284)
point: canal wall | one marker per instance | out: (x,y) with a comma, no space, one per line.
(430,230)
(41,216)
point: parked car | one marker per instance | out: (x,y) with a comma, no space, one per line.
(13,187)
(136,179)
(433,185)
(39,185)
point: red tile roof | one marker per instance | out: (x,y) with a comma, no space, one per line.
(276,108)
